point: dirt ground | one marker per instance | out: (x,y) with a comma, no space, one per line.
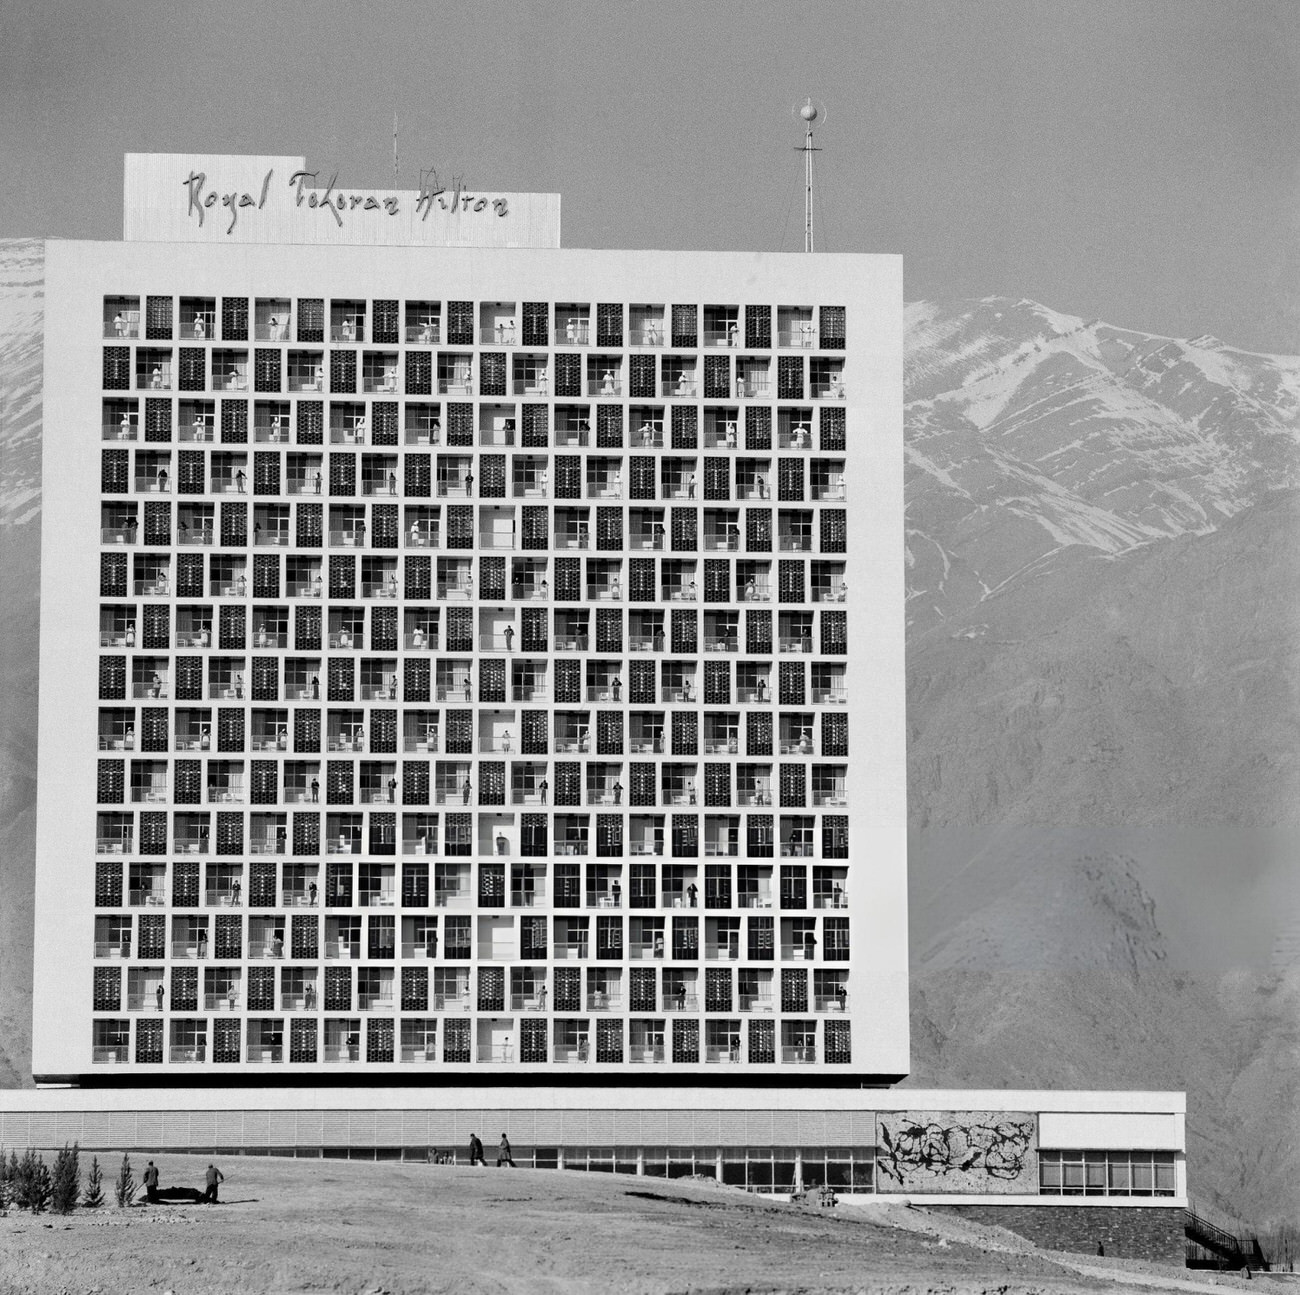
(400,1229)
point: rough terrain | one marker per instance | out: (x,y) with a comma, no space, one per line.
(350,1227)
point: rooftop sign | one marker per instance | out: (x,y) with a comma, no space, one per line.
(201,199)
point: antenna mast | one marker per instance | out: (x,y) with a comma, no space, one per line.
(395,150)
(808,114)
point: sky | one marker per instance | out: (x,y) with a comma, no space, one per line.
(1131,160)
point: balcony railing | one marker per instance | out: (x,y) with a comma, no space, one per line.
(190,949)
(646,335)
(225,1002)
(800,336)
(257,1054)
(645,1054)
(526,898)
(156,794)
(223,897)
(801,952)
(715,1055)
(605,387)
(571,1053)
(115,1055)
(647,540)
(755,1002)
(118,432)
(683,388)
(828,389)
(427,334)
(113,948)
(191,845)
(640,951)
(532,1002)
(728,952)
(498,1053)
(799,1055)
(604,1002)
(831,1002)
(680,1003)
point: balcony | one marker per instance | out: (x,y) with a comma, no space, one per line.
(643,951)
(756,1003)
(802,952)
(645,1054)
(728,952)
(828,389)
(606,386)
(534,1002)
(191,845)
(723,335)
(795,642)
(648,540)
(419,641)
(227,1002)
(458,897)
(752,389)
(603,1002)
(571,1053)
(154,795)
(256,1054)
(229,896)
(349,539)
(118,534)
(680,1003)
(341,1052)
(113,948)
(529,692)
(309,589)
(114,1055)
(428,333)
(343,950)
(123,431)
(376,1002)
(343,640)
(498,1053)
(683,388)
(805,1055)
(190,950)
(798,336)
(715,1055)
(526,898)
(299,898)
(385,588)
(831,1002)
(146,1002)
(837,898)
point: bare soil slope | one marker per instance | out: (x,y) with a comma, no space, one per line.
(303,1226)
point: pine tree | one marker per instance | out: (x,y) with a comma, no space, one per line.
(4,1183)
(40,1187)
(124,1188)
(93,1197)
(66,1180)
(24,1171)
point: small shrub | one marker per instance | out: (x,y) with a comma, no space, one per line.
(93,1197)
(65,1183)
(124,1188)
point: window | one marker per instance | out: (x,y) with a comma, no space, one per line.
(1106,1173)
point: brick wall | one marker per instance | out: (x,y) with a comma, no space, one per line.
(1127,1232)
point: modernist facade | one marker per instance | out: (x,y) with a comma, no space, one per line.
(472,660)
(473,696)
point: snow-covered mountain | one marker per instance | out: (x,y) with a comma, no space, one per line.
(1034,439)
(1104,577)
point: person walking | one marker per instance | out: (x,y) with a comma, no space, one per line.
(151,1183)
(212,1178)
(476,1151)
(504,1156)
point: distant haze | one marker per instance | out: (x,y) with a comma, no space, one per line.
(1130,161)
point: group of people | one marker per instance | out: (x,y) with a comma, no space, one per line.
(504,1155)
(212,1177)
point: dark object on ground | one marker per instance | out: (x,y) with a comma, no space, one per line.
(190,1195)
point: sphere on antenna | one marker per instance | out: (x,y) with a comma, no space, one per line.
(808,112)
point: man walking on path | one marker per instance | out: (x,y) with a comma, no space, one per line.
(213,1177)
(504,1157)
(476,1151)
(151,1183)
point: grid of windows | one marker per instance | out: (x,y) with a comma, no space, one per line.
(472,781)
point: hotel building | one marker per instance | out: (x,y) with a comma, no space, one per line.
(473,695)
(474,660)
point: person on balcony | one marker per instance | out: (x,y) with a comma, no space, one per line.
(155,378)
(199,330)
(124,428)
(119,324)
(607,383)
